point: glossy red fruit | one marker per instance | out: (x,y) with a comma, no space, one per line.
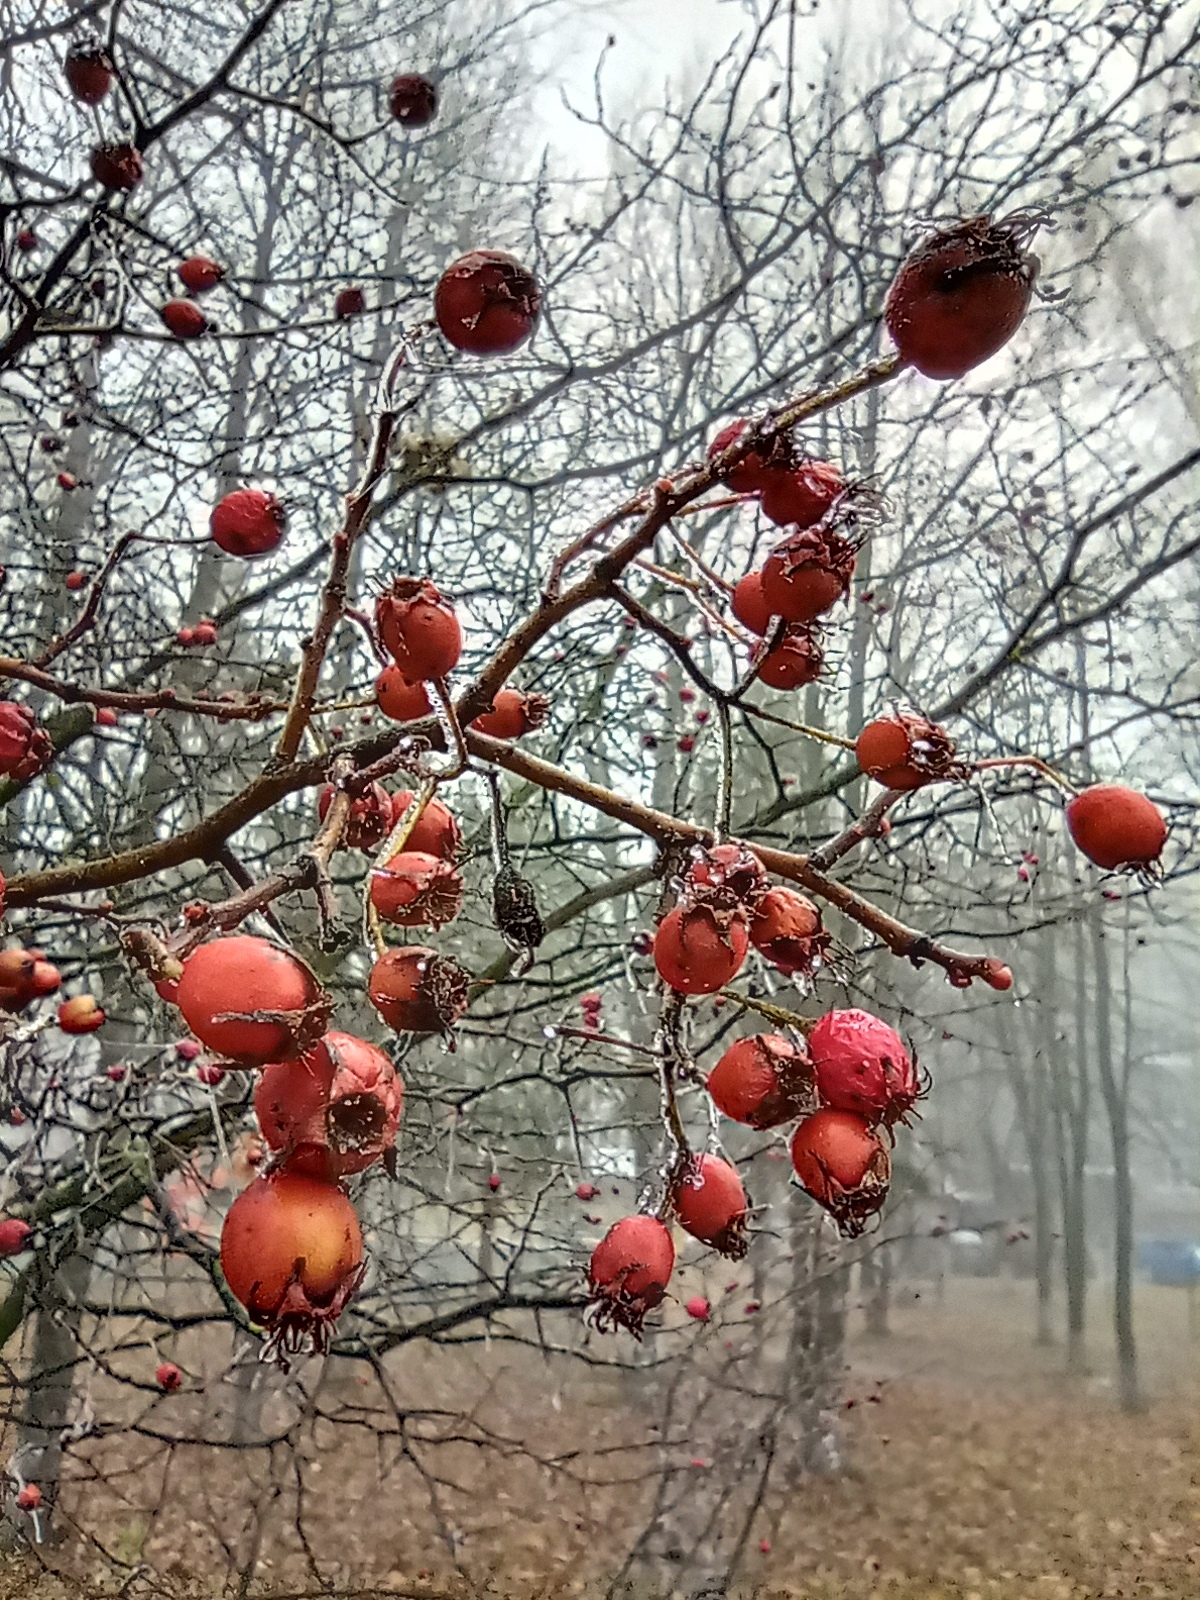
(80,1014)
(413,100)
(117,167)
(962,293)
(27,239)
(247,523)
(335,1111)
(802,495)
(752,472)
(184,318)
(29,1498)
(905,751)
(168,1377)
(861,1065)
(248,999)
(694,954)
(370,816)
(750,606)
(14,1236)
(513,714)
(1116,827)
(487,303)
(399,699)
(89,73)
(843,1164)
(200,273)
(415,990)
(436,833)
(763,1081)
(698,1308)
(710,1203)
(629,1272)
(728,878)
(786,928)
(25,749)
(808,573)
(796,660)
(67,481)
(349,303)
(292,1253)
(417,890)
(74,581)
(419,629)
(45,978)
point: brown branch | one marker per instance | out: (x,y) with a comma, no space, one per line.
(252,708)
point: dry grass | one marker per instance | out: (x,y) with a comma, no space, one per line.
(978,1472)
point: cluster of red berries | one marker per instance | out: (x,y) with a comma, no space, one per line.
(852,1077)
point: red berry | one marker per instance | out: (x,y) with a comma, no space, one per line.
(694,954)
(14,1236)
(962,293)
(494,1182)
(419,629)
(80,1014)
(749,605)
(199,273)
(247,523)
(750,474)
(905,751)
(370,818)
(116,1074)
(67,481)
(89,73)
(74,581)
(843,1164)
(796,660)
(27,239)
(1116,827)
(413,100)
(710,1202)
(210,1074)
(862,1066)
(762,1081)
(586,1191)
(436,833)
(247,998)
(117,167)
(487,303)
(729,878)
(292,1253)
(808,573)
(184,318)
(349,303)
(168,1377)
(686,744)
(629,1272)
(185,1049)
(186,637)
(513,714)
(30,1498)
(802,495)
(399,699)
(334,1112)
(417,890)
(698,1308)
(786,928)
(204,633)
(415,990)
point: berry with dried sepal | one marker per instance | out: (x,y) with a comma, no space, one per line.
(795,661)
(350,302)
(862,1066)
(487,303)
(200,273)
(334,1112)
(708,1199)
(844,1165)
(251,1000)
(416,890)
(786,928)
(419,629)
(398,698)
(808,573)
(801,496)
(962,293)
(629,1272)
(416,990)
(370,819)
(763,1081)
(413,100)
(906,751)
(25,749)
(752,472)
(247,523)
(695,954)
(117,167)
(513,714)
(89,73)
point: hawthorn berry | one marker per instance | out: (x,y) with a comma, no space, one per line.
(27,239)
(800,495)
(436,832)
(251,1000)
(349,303)
(1116,827)
(14,1236)
(419,629)
(905,751)
(417,890)
(247,523)
(80,1014)
(399,699)
(513,714)
(629,1272)
(808,573)
(708,1199)
(763,1081)
(795,661)
(200,273)
(844,1165)
(184,319)
(415,990)
(694,954)
(89,73)
(117,167)
(962,293)
(413,100)
(786,928)
(168,1377)
(487,303)
(749,604)
(861,1065)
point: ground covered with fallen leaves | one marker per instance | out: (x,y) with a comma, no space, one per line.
(976,1470)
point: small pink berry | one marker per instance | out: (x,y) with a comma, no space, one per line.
(698,1308)
(188,1049)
